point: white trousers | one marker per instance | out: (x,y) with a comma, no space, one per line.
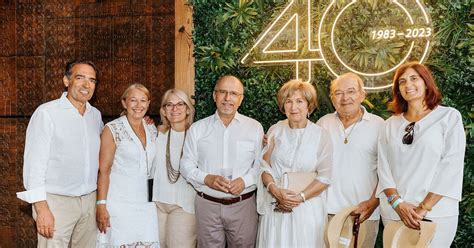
(445,231)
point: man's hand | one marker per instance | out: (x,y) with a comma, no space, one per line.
(217,182)
(265,140)
(148,120)
(44,219)
(237,186)
(102,218)
(366,208)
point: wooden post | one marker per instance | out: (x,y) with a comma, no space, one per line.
(184,58)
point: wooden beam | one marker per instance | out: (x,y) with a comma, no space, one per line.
(184,58)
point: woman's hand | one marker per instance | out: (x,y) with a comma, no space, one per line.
(408,215)
(102,218)
(421,212)
(287,199)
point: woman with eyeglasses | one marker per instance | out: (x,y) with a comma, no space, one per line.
(125,216)
(173,195)
(421,156)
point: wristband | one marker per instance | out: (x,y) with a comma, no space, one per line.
(101,202)
(302,196)
(396,202)
(391,198)
(268,186)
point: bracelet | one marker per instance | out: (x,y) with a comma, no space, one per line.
(391,198)
(424,206)
(302,196)
(101,202)
(268,186)
(396,202)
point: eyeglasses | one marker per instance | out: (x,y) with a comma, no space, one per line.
(179,105)
(349,93)
(233,94)
(408,137)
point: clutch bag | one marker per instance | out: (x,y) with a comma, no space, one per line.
(298,181)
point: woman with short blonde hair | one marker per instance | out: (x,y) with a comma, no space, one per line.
(125,217)
(294,145)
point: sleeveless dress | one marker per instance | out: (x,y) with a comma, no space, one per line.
(133,220)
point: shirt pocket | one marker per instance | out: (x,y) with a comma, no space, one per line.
(244,153)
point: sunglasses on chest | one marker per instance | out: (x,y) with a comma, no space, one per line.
(410,133)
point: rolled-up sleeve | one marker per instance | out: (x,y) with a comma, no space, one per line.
(37,148)
(449,172)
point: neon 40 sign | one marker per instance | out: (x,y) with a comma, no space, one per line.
(370,38)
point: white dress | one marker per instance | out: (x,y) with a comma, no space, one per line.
(133,220)
(307,149)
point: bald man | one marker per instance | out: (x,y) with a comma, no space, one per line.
(354,133)
(220,160)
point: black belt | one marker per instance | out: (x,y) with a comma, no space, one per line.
(226,201)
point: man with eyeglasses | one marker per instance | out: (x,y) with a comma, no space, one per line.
(220,160)
(61,162)
(354,134)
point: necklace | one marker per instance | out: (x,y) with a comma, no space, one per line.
(173,174)
(346,136)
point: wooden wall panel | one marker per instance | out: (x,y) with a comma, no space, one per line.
(130,42)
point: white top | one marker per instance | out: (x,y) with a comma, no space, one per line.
(354,171)
(180,193)
(210,146)
(307,149)
(61,151)
(132,217)
(434,162)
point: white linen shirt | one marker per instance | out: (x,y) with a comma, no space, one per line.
(181,192)
(434,162)
(211,146)
(354,170)
(61,151)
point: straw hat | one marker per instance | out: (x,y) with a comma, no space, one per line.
(340,230)
(397,235)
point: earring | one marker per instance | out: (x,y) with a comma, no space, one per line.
(308,115)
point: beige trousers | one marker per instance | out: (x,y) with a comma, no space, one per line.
(372,227)
(226,225)
(74,221)
(177,227)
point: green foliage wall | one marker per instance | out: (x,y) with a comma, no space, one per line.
(225,29)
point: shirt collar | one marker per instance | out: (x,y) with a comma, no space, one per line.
(66,104)
(237,117)
(365,116)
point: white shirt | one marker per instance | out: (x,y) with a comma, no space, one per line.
(61,151)
(210,146)
(434,162)
(354,171)
(180,193)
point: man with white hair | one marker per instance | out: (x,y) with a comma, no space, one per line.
(354,133)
